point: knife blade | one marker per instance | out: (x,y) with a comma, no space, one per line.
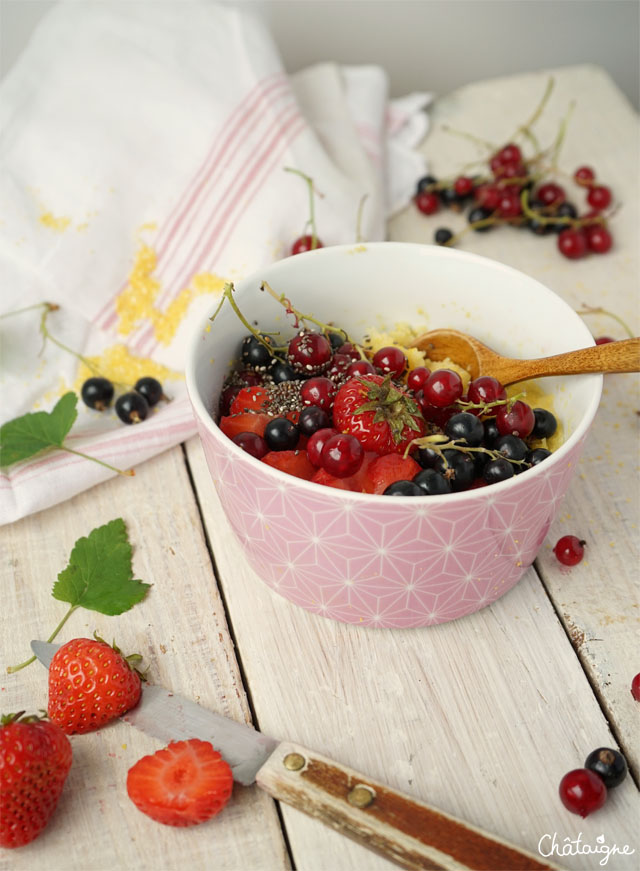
(408,832)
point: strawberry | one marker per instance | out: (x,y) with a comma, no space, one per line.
(356,483)
(388,469)
(35,758)
(185,784)
(253,399)
(91,683)
(382,416)
(234,424)
(293,462)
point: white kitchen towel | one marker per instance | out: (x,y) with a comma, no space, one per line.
(142,149)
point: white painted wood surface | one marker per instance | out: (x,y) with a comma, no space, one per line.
(480,717)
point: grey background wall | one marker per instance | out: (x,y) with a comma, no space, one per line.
(434,45)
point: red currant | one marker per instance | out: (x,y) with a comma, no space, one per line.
(551,194)
(598,239)
(488,195)
(427,202)
(510,153)
(317,442)
(350,350)
(486,389)
(635,687)
(604,340)
(442,388)
(318,391)
(338,365)
(516,418)
(599,197)
(417,377)
(360,367)
(509,205)
(572,243)
(309,352)
(342,455)
(252,443)
(582,791)
(390,360)
(584,175)
(463,185)
(511,170)
(305,243)
(569,550)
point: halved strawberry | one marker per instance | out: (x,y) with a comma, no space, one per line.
(388,469)
(185,784)
(293,462)
(253,399)
(356,483)
(233,424)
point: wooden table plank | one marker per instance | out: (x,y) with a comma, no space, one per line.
(181,629)
(480,717)
(598,601)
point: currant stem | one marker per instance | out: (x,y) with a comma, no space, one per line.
(284,301)
(129,472)
(562,130)
(363,200)
(591,310)
(49,306)
(470,136)
(12,669)
(525,128)
(47,335)
(312,213)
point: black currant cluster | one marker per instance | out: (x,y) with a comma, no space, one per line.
(131,407)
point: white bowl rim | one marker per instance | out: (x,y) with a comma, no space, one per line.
(478,493)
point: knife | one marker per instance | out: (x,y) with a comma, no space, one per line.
(408,832)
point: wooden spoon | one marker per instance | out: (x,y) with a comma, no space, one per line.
(478,359)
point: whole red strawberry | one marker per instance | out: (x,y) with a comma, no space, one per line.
(35,758)
(185,784)
(91,683)
(382,416)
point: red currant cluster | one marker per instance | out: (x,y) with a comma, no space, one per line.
(516,194)
(327,410)
(585,790)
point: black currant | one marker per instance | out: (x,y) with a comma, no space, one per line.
(491,431)
(564,210)
(132,407)
(432,483)
(280,372)
(608,764)
(425,183)
(337,340)
(281,434)
(427,457)
(497,470)
(545,425)
(151,389)
(511,447)
(480,213)
(442,236)
(312,418)
(452,199)
(465,428)
(403,488)
(537,456)
(457,467)
(97,393)
(254,353)
(539,227)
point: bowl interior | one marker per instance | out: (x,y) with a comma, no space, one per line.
(381,284)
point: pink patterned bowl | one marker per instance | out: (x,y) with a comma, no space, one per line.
(401,561)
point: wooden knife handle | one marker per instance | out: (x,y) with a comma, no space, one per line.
(406,831)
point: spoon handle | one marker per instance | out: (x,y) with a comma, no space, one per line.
(622,356)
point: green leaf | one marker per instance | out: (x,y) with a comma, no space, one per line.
(25,436)
(99,575)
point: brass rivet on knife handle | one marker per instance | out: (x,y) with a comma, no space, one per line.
(294,761)
(361,796)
